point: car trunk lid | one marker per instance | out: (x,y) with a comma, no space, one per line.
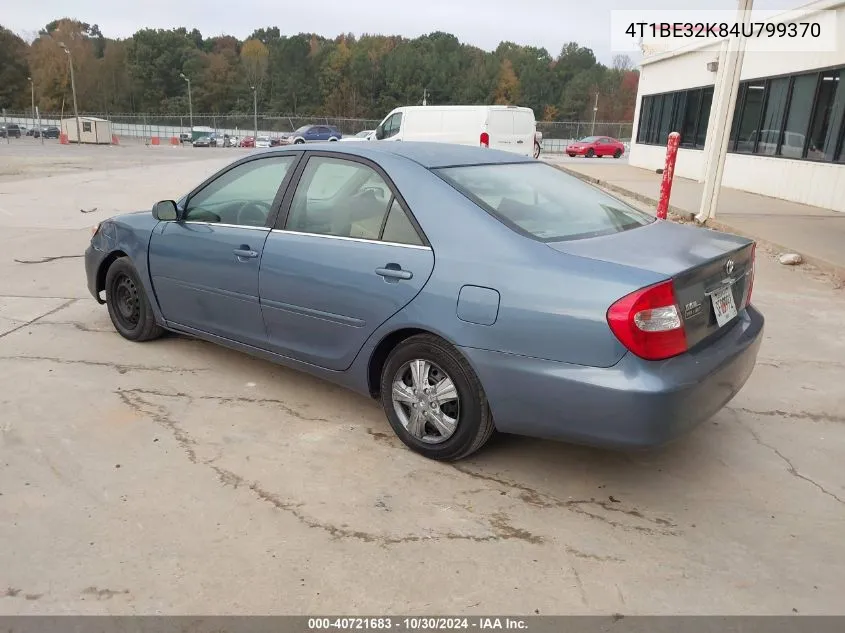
(711,272)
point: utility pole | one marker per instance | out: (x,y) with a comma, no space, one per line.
(722,112)
(255,111)
(32,91)
(425,96)
(190,105)
(595,112)
(73,89)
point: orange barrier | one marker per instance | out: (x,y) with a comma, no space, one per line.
(155,141)
(174,140)
(63,139)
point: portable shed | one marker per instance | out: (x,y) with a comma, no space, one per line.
(91,130)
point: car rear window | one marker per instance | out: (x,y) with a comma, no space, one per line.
(542,202)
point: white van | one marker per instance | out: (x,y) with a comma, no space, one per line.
(508,128)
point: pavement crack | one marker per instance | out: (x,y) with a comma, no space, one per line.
(797,415)
(44,260)
(585,507)
(580,586)
(790,467)
(38,318)
(103,594)
(229,400)
(587,556)
(121,368)
(160,416)
(499,522)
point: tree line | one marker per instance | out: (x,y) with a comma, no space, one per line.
(348,76)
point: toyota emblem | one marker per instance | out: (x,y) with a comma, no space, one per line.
(729,266)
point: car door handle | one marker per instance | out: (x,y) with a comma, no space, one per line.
(393,271)
(245,252)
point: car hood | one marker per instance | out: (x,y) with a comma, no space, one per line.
(662,247)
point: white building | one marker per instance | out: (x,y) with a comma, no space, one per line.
(91,130)
(789,122)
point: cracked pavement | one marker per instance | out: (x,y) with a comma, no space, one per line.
(178,477)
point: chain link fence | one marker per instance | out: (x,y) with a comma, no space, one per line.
(556,134)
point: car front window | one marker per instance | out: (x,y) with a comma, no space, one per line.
(542,202)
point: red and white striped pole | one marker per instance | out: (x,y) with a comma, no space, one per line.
(668,174)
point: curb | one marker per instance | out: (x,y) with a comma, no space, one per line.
(836,270)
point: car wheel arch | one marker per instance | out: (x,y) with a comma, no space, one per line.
(103,270)
(389,342)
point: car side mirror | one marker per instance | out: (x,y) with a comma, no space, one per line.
(380,132)
(165,211)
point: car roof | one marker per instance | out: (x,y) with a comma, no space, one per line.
(430,155)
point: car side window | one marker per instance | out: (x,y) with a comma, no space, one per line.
(398,228)
(392,125)
(243,195)
(339,197)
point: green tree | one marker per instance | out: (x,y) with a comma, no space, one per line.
(14,71)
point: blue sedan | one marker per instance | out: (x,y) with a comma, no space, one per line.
(468,290)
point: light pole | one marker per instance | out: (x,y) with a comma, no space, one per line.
(595,111)
(190,105)
(32,90)
(255,111)
(73,90)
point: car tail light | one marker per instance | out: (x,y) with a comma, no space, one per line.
(485,139)
(648,322)
(751,277)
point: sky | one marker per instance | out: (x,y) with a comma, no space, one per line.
(484,23)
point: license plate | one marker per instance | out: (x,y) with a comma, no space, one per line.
(723,305)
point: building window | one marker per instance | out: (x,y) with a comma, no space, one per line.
(828,84)
(749,121)
(685,112)
(799,116)
(770,129)
(86,126)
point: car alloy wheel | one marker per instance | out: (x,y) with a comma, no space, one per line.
(426,401)
(617,153)
(590,153)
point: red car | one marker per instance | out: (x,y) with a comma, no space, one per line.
(596,146)
(247,141)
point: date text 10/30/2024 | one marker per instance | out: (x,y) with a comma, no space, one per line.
(417,624)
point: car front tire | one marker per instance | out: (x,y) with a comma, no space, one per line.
(129,308)
(433,399)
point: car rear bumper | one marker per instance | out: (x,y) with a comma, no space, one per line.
(634,404)
(93,259)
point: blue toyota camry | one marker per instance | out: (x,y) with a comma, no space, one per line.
(468,290)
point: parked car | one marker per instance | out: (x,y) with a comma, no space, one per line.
(364,135)
(311,134)
(205,141)
(184,137)
(247,141)
(507,128)
(590,146)
(10,130)
(51,131)
(603,325)
(263,141)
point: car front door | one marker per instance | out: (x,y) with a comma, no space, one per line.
(204,267)
(346,256)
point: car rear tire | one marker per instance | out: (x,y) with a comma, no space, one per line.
(434,400)
(572,156)
(299,141)
(590,153)
(129,308)
(332,140)
(536,150)
(617,153)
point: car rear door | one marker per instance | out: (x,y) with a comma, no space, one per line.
(524,131)
(345,256)
(500,129)
(204,267)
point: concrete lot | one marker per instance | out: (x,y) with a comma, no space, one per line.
(179,477)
